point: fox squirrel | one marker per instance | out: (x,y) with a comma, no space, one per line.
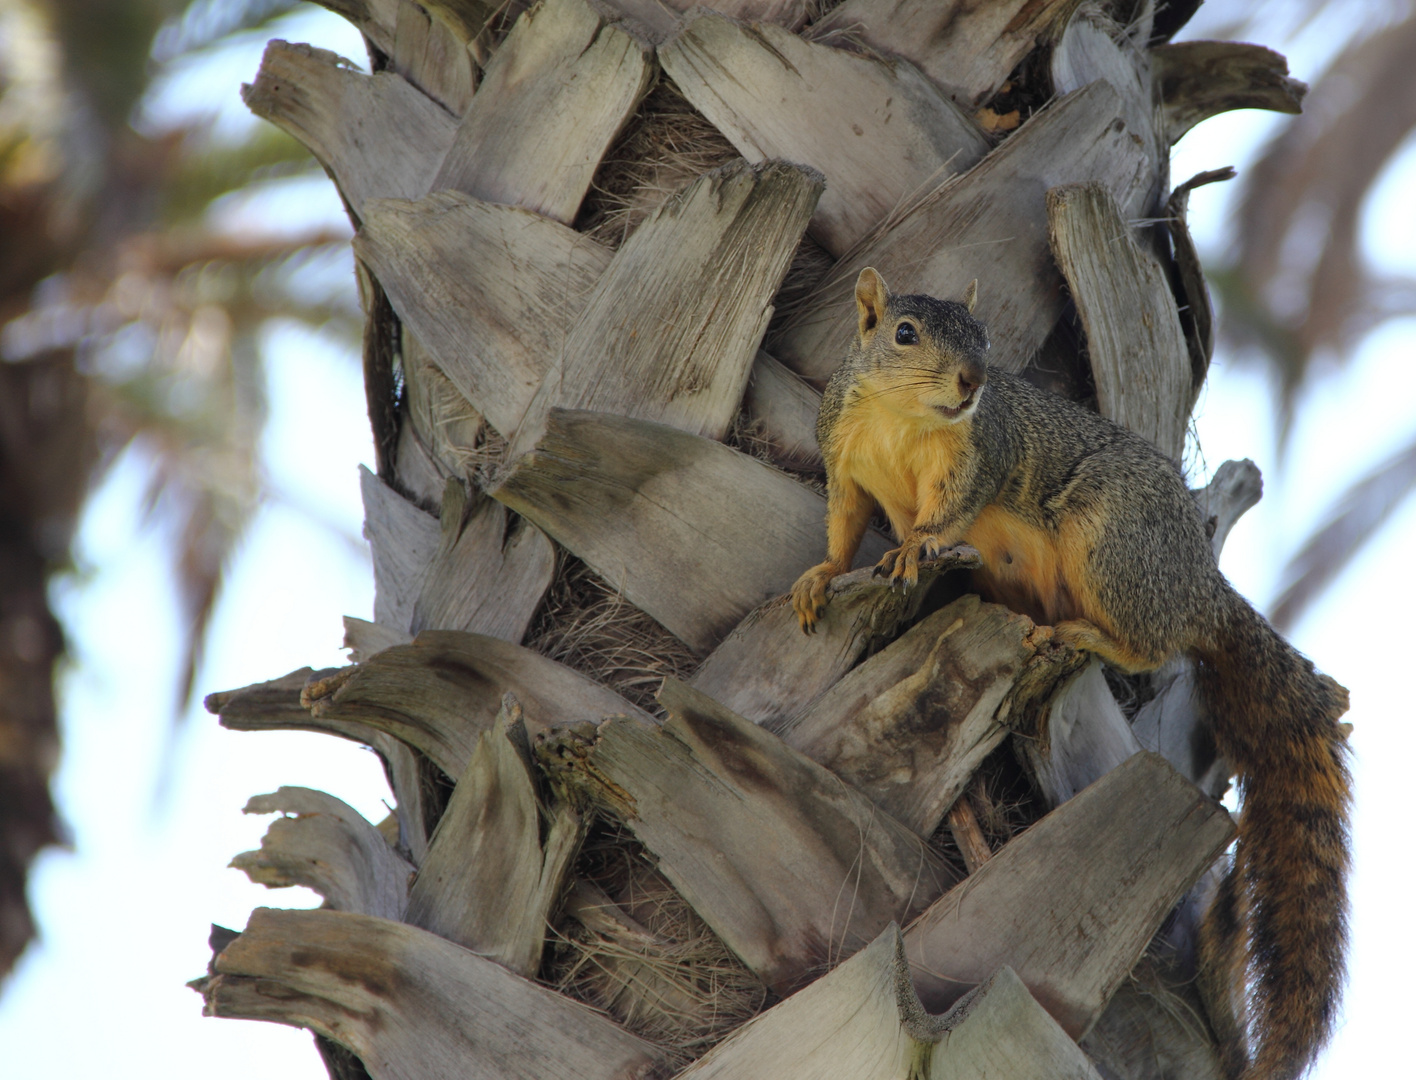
(1088,527)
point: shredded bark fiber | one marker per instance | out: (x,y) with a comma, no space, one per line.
(678,985)
(808,271)
(1003,803)
(586,625)
(666,145)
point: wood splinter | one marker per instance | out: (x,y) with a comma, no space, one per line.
(963,824)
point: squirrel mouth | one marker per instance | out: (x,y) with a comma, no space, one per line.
(959,409)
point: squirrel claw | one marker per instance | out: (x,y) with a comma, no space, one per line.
(810,618)
(809,596)
(886,565)
(902,570)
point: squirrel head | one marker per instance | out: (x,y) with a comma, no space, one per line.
(917,355)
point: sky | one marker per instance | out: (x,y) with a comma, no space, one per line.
(124,912)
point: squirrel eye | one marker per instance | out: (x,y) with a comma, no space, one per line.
(905,334)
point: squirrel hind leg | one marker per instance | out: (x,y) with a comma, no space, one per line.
(1087,636)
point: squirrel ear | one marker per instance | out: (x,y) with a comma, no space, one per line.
(871,299)
(971,295)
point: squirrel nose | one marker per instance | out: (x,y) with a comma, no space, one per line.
(970,379)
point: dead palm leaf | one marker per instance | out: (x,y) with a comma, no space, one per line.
(571,238)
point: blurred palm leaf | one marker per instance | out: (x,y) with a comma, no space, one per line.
(1298,252)
(1353,521)
(127,317)
(1299,286)
(208,172)
(205,22)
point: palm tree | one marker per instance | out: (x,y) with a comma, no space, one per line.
(605,257)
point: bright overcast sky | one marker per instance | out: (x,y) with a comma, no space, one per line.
(124,915)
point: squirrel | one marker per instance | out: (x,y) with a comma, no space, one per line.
(1087,527)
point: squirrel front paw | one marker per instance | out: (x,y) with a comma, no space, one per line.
(809,596)
(901,565)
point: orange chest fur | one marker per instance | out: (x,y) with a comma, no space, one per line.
(903,465)
(907,469)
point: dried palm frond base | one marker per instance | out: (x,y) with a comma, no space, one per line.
(752,437)
(631,945)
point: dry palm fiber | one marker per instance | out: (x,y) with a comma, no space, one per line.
(666,145)
(586,625)
(667,977)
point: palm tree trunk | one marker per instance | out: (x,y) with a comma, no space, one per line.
(606,256)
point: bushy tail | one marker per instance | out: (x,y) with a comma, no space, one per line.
(1282,912)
